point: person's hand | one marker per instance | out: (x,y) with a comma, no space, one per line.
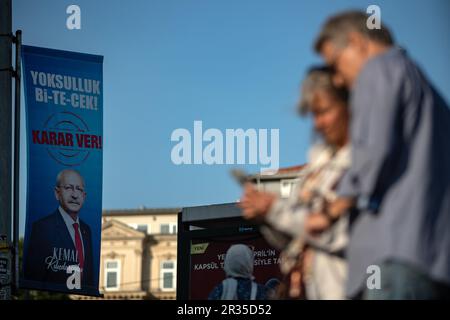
(316,223)
(338,207)
(255,204)
(306,196)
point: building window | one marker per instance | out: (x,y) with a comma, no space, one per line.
(143,228)
(168,228)
(286,187)
(167,278)
(165,228)
(112,275)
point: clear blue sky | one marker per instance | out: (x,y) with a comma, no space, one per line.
(229,63)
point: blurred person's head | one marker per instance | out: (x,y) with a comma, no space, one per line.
(239,262)
(346,43)
(328,105)
(69,191)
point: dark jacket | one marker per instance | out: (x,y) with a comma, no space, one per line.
(51,249)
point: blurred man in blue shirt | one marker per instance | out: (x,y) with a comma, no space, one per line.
(399,179)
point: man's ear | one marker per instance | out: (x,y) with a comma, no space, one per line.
(56,193)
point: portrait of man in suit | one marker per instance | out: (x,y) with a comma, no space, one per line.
(61,239)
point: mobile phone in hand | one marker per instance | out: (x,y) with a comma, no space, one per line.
(240,176)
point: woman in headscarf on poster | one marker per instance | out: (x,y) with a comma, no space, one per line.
(239,283)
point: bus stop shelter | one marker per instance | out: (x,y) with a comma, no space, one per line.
(204,235)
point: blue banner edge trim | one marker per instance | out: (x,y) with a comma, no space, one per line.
(62,53)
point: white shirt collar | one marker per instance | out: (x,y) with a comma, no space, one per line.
(68,219)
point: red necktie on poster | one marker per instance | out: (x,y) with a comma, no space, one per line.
(79,246)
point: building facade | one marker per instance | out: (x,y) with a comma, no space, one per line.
(139,254)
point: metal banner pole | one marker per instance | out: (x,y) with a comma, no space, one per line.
(5,147)
(17,75)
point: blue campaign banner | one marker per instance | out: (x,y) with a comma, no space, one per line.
(64,119)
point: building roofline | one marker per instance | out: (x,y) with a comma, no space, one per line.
(140,212)
(113,222)
(281,173)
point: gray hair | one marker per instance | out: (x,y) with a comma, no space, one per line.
(319,78)
(337,28)
(61,174)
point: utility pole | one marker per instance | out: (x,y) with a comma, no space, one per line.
(6,73)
